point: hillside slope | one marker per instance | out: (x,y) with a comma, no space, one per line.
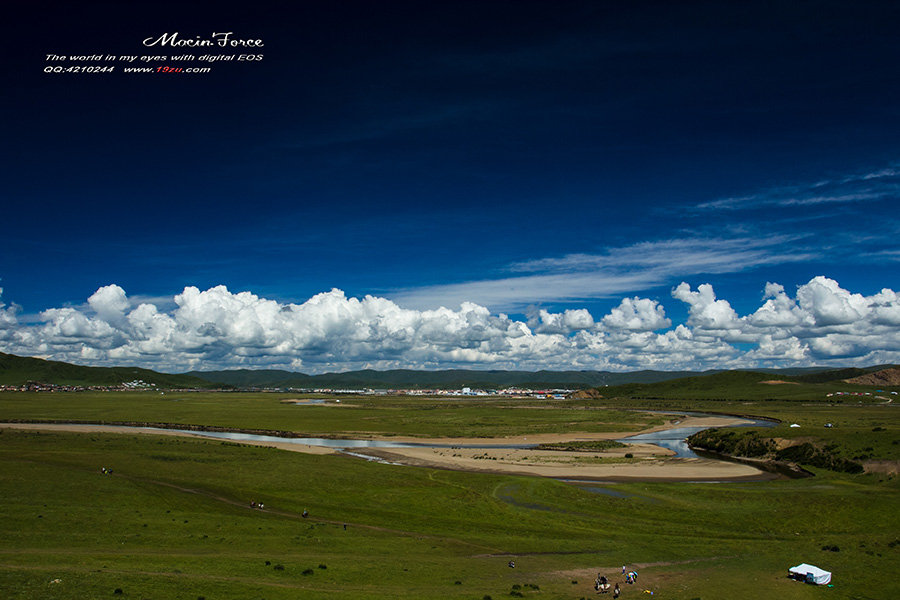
(19,370)
(884,377)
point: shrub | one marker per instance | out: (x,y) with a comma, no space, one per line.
(724,441)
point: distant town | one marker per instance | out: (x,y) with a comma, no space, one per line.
(141,385)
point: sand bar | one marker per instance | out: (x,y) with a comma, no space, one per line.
(649,462)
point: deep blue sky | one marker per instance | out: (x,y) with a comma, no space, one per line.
(560,155)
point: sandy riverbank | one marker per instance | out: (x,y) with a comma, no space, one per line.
(649,462)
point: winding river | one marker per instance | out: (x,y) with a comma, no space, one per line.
(338,444)
(672,439)
(676,439)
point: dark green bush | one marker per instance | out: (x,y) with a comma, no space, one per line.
(733,442)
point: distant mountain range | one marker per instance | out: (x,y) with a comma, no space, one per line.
(450,379)
(446,379)
(18,370)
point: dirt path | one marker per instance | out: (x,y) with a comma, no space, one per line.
(635,566)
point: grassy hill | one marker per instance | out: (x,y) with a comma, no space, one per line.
(749,385)
(18,370)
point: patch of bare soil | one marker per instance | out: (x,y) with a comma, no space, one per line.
(888,467)
(782,443)
(884,377)
(591,394)
(589,573)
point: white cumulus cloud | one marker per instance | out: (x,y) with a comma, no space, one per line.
(637,314)
(822,323)
(706,311)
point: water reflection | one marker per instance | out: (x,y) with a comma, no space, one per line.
(671,439)
(340,444)
(676,439)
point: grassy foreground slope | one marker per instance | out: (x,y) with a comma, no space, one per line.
(174,521)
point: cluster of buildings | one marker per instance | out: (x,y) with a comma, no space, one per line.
(141,385)
(465,391)
(858,393)
(39,386)
(137,384)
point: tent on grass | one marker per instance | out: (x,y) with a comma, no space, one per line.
(810,574)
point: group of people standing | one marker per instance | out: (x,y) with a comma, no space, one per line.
(602,586)
(602,583)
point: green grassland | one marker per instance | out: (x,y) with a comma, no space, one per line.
(408,416)
(746,385)
(174,521)
(863,427)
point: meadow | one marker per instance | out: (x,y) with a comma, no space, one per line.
(407,416)
(174,520)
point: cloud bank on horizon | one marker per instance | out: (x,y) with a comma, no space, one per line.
(613,271)
(820,324)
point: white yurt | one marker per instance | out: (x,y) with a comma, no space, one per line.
(810,574)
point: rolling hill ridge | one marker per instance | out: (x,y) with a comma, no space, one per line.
(18,370)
